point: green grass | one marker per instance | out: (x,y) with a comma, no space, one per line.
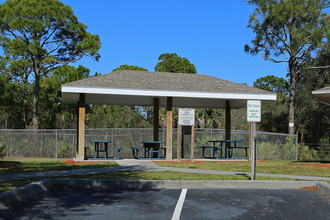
(21,165)
(44,164)
(275,167)
(6,185)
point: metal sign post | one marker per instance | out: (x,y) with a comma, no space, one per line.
(253,151)
(253,116)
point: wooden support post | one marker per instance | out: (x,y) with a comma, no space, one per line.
(227,128)
(81,128)
(178,151)
(169,129)
(192,152)
(227,121)
(156,119)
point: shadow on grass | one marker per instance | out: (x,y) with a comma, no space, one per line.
(19,167)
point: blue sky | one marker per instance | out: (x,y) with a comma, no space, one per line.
(210,33)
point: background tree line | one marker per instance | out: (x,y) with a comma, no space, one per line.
(40,38)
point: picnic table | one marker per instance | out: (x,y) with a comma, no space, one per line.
(151,148)
(228,148)
(102,146)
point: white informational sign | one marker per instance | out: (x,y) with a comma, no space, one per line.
(186,116)
(253,110)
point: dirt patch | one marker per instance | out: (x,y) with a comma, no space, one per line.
(314,189)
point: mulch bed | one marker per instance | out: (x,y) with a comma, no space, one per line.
(314,189)
(3,165)
(198,161)
(320,165)
(79,162)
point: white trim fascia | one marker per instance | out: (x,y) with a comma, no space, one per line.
(162,93)
(321,92)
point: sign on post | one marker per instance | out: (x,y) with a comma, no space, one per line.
(253,115)
(253,110)
(186,117)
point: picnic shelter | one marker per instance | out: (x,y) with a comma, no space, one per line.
(166,89)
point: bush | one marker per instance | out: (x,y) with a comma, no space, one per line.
(276,151)
(268,151)
(3,150)
(308,154)
(62,149)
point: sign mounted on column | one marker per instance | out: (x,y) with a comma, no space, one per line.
(253,110)
(186,116)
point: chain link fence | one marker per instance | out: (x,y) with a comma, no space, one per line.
(59,143)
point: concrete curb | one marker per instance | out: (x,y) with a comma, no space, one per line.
(323,187)
(180,184)
(24,192)
(35,188)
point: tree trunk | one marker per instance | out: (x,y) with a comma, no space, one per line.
(35,119)
(292,93)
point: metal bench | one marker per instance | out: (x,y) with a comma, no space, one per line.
(215,151)
(230,150)
(105,149)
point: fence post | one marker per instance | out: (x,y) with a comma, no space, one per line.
(73,146)
(56,145)
(40,146)
(297,146)
(11,145)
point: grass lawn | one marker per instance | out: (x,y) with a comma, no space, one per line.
(6,185)
(44,164)
(20,165)
(270,166)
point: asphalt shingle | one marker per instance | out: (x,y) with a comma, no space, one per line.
(124,79)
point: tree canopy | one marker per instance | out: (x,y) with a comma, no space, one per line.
(171,62)
(129,67)
(291,32)
(38,36)
(313,116)
(272,83)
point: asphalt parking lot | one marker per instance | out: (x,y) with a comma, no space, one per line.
(73,203)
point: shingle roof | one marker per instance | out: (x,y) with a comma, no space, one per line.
(139,88)
(323,94)
(164,81)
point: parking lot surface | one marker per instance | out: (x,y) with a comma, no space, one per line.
(74,203)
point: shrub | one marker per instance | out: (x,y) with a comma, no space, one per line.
(268,151)
(3,150)
(308,154)
(62,149)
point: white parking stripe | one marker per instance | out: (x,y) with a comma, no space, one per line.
(178,207)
